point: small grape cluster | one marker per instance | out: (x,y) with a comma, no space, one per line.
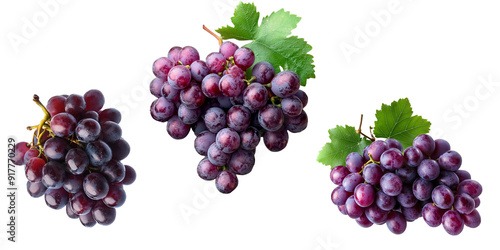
(227,112)
(75,156)
(392,186)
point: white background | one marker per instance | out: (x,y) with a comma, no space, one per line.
(445,57)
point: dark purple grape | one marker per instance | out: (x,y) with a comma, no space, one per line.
(228,140)
(364,194)
(441,146)
(442,196)
(271,117)
(449,179)
(192,96)
(425,143)
(216,62)
(188,55)
(114,171)
(55,148)
(30,154)
(463,175)
(35,189)
(376,215)
(238,118)
(244,58)
(74,105)
(170,93)
(87,220)
(226,182)
(162,66)
(473,219)
(391,184)
(56,105)
(291,106)
(70,212)
(276,140)
(116,196)
(231,86)
(296,124)
(95,186)
(452,222)
(352,208)
(406,197)
(235,71)
(188,115)
(285,84)
(376,149)
(393,143)
(33,169)
(412,213)
(90,114)
(372,173)
(130,175)
(228,48)
(255,96)
(56,198)
(224,102)
(203,142)
(338,173)
(20,150)
(339,195)
(73,183)
(396,222)
(63,124)
(392,159)
(351,181)
(363,221)
(413,156)
(162,109)
(210,86)
(428,169)
(199,70)
(249,139)
(263,71)
(155,87)
(103,214)
(407,174)
(88,130)
(176,128)
(206,170)
(54,174)
(241,162)
(464,203)
(174,53)
(450,161)
(110,131)
(120,149)
(110,114)
(422,189)
(179,77)
(216,156)
(470,187)
(215,119)
(98,152)
(354,162)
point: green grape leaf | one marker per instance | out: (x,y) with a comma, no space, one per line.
(344,140)
(272,40)
(398,122)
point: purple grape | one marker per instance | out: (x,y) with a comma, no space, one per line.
(406,197)
(450,161)
(291,106)
(70,212)
(228,48)
(364,194)
(179,77)
(120,149)
(407,174)
(296,124)
(114,171)
(376,215)
(244,58)
(226,182)
(285,84)
(116,196)
(95,186)
(89,114)
(170,93)
(249,139)
(55,148)
(339,195)
(174,53)
(352,208)
(442,196)
(87,220)
(56,198)
(238,118)
(35,189)
(391,184)
(56,105)
(88,130)
(428,169)
(412,213)
(338,173)
(30,154)
(215,119)
(452,222)
(302,96)
(463,175)
(449,179)
(231,86)
(392,159)
(73,183)
(98,152)
(103,214)
(187,115)
(188,55)
(424,143)
(354,162)
(216,62)
(255,96)
(210,86)
(192,96)
(63,124)
(54,174)
(422,189)
(130,175)
(75,105)
(176,128)
(263,71)
(393,143)
(473,219)
(216,156)
(110,114)
(396,222)
(242,162)
(110,131)
(155,87)
(351,181)
(206,170)
(470,187)
(20,150)
(276,140)
(199,70)
(33,169)
(271,117)
(162,66)
(376,149)
(364,221)
(203,142)
(464,203)
(228,140)
(441,146)
(372,173)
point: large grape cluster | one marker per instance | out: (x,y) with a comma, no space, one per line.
(228,112)
(392,186)
(74,159)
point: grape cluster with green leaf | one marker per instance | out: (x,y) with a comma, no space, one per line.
(237,95)
(402,178)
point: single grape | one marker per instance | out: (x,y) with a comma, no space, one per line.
(203,142)
(351,181)
(376,149)
(406,197)
(95,186)
(216,156)
(188,54)
(372,173)
(116,196)
(242,162)
(33,169)
(55,148)
(20,150)
(473,219)
(407,174)
(70,212)
(413,156)
(215,119)
(56,198)
(302,96)
(428,169)
(422,189)
(187,115)
(450,161)
(463,175)
(249,139)
(470,187)
(392,159)
(98,152)
(393,143)
(271,117)
(364,221)
(391,184)
(130,175)
(425,143)
(354,162)
(103,214)
(179,77)
(216,62)
(441,146)
(210,86)
(110,114)
(452,222)
(442,196)
(228,140)
(263,71)
(228,48)
(255,96)
(285,84)
(276,140)
(54,174)
(89,114)
(244,58)
(176,128)
(235,71)
(226,182)
(162,66)
(192,96)
(352,208)
(396,222)
(449,179)
(110,131)
(199,70)
(87,220)
(296,124)
(364,194)
(376,215)
(35,189)
(113,170)
(88,130)
(291,106)
(206,170)
(63,124)
(412,213)
(338,173)
(339,195)
(75,105)
(174,54)
(231,86)
(464,203)
(73,183)
(238,118)
(155,87)
(120,149)
(56,105)
(30,154)
(170,93)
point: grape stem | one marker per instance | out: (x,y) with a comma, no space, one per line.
(213,34)
(43,122)
(371,138)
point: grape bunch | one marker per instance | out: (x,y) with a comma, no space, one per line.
(392,186)
(228,112)
(74,158)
